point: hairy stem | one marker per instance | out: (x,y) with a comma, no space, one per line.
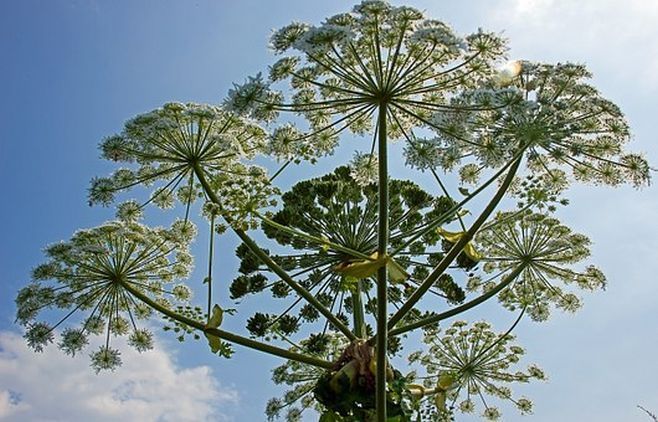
(267,260)
(358,311)
(461,308)
(456,249)
(382,249)
(210,256)
(225,335)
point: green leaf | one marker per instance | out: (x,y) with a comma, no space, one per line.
(215,321)
(216,318)
(464,191)
(214,342)
(368,267)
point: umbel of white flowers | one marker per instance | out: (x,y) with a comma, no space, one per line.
(89,272)
(353,260)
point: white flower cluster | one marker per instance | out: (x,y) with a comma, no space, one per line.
(178,143)
(467,363)
(90,273)
(364,168)
(341,71)
(556,118)
(546,251)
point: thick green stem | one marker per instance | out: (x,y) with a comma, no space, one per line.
(225,335)
(461,308)
(455,208)
(358,311)
(308,296)
(456,249)
(276,269)
(210,256)
(382,249)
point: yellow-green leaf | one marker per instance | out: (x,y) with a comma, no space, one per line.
(416,389)
(216,317)
(396,271)
(368,267)
(454,237)
(471,252)
(440,400)
(214,342)
(362,268)
(446,381)
(325,246)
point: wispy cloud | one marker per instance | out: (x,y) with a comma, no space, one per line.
(51,386)
(618,35)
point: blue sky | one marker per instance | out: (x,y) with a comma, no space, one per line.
(73,71)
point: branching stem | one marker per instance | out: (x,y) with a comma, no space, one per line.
(461,308)
(267,260)
(456,249)
(225,335)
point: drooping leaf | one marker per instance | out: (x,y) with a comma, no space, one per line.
(215,321)
(440,400)
(368,267)
(217,317)
(454,237)
(214,342)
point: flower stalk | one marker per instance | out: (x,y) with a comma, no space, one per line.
(285,277)
(461,308)
(382,272)
(225,335)
(456,249)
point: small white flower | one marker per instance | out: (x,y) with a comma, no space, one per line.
(364,168)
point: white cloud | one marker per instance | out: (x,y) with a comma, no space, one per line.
(617,35)
(51,386)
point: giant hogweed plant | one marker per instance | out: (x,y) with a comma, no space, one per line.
(353,261)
